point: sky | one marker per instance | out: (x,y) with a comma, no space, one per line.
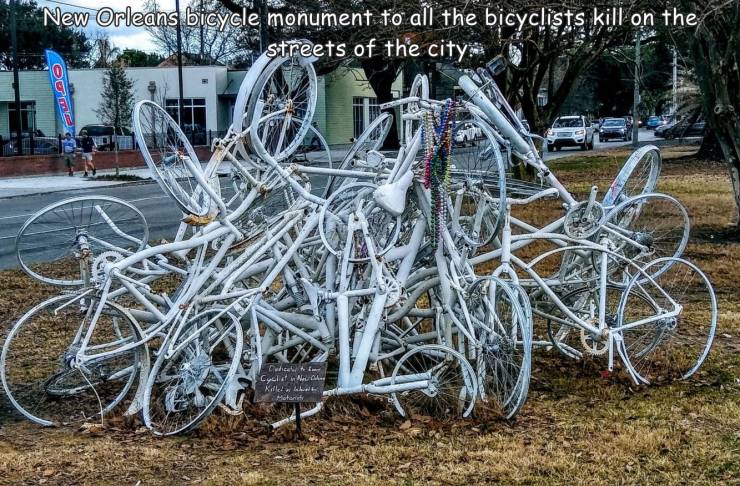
(121,37)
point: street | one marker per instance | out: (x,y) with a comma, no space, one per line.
(162,215)
(645,136)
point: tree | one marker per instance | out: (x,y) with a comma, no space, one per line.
(553,57)
(203,44)
(117,99)
(137,58)
(103,53)
(380,71)
(33,37)
(570,50)
(715,50)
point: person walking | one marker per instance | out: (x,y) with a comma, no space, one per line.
(69,149)
(88,147)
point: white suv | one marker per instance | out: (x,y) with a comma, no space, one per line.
(570,131)
(467,132)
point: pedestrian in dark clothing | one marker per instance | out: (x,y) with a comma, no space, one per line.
(88,147)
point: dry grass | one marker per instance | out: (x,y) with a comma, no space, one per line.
(577,427)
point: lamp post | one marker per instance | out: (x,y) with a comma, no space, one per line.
(636,94)
(152,88)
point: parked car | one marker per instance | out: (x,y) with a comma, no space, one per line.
(42,145)
(103,135)
(684,129)
(653,122)
(466,132)
(614,128)
(660,130)
(570,131)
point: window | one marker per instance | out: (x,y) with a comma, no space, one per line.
(542,97)
(28,116)
(568,123)
(357,115)
(364,111)
(193,113)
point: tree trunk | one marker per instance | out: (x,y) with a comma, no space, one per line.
(381,73)
(710,149)
(716,53)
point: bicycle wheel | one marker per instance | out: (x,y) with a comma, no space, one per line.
(246,89)
(452,389)
(188,380)
(567,337)
(638,175)
(505,335)
(285,97)
(36,363)
(478,187)
(670,338)
(78,227)
(371,138)
(314,151)
(170,157)
(340,208)
(647,227)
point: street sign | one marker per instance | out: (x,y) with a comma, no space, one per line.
(290,382)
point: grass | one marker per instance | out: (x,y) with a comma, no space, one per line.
(578,426)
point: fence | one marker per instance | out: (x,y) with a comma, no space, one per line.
(34,145)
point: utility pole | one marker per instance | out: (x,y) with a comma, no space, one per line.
(674,105)
(636,95)
(201,52)
(179,64)
(264,34)
(16,80)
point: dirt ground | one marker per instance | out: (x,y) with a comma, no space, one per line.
(579,425)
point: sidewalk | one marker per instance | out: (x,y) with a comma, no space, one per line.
(42,184)
(28,185)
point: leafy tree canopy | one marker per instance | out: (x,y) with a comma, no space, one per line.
(33,37)
(137,58)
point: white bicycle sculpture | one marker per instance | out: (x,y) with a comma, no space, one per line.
(404,272)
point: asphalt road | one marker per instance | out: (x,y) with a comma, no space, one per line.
(160,211)
(645,136)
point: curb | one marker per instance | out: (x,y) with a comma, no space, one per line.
(51,191)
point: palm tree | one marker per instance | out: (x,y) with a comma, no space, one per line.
(103,53)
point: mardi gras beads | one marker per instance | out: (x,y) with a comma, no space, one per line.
(437,150)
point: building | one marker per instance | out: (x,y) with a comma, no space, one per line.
(206,89)
(209,94)
(348,96)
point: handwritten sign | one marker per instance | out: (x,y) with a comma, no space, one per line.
(290,383)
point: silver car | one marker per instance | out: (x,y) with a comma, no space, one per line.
(570,131)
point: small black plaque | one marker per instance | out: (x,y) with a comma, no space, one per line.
(290,383)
